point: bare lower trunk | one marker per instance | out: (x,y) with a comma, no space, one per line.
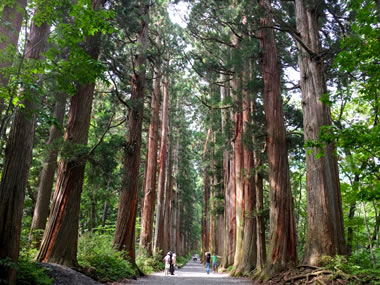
(41,210)
(325,234)
(282,236)
(159,233)
(168,202)
(238,164)
(105,214)
(126,216)
(205,230)
(260,223)
(146,236)
(18,156)
(248,259)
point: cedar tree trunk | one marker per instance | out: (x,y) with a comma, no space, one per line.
(59,244)
(282,236)
(159,233)
(325,234)
(146,236)
(41,210)
(126,216)
(18,156)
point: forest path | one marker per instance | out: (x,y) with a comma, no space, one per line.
(191,273)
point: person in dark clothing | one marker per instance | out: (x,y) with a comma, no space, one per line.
(208,261)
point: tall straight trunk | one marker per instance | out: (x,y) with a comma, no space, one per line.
(232,209)
(260,223)
(248,259)
(105,214)
(159,233)
(239,171)
(178,229)
(168,201)
(212,203)
(59,244)
(18,156)
(126,216)
(220,231)
(205,230)
(229,212)
(41,210)
(10,25)
(282,236)
(146,236)
(325,234)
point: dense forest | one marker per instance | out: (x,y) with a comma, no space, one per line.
(249,129)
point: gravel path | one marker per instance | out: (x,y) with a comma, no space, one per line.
(191,273)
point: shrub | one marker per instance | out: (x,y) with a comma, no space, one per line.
(95,252)
(148,264)
(31,273)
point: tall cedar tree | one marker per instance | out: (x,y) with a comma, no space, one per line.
(59,244)
(248,260)
(159,233)
(126,216)
(18,156)
(147,215)
(325,234)
(282,236)
(41,209)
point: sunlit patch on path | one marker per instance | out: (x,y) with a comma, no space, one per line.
(191,273)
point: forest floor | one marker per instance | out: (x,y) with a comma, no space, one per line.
(191,273)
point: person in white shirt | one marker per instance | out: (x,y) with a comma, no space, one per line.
(167,263)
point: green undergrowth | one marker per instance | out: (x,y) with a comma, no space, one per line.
(100,261)
(28,271)
(148,264)
(360,268)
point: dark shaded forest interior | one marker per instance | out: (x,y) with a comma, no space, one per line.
(248,129)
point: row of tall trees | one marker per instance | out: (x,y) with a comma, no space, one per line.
(244,50)
(110,68)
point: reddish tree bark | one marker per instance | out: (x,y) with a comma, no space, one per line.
(248,259)
(168,202)
(59,244)
(150,175)
(126,216)
(205,215)
(282,236)
(18,156)
(238,164)
(41,209)
(260,222)
(159,233)
(325,234)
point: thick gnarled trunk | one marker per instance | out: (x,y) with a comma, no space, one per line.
(325,234)
(282,235)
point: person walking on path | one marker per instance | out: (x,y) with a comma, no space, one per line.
(208,260)
(167,263)
(214,259)
(173,262)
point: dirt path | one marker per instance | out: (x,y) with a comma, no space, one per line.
(191,273)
